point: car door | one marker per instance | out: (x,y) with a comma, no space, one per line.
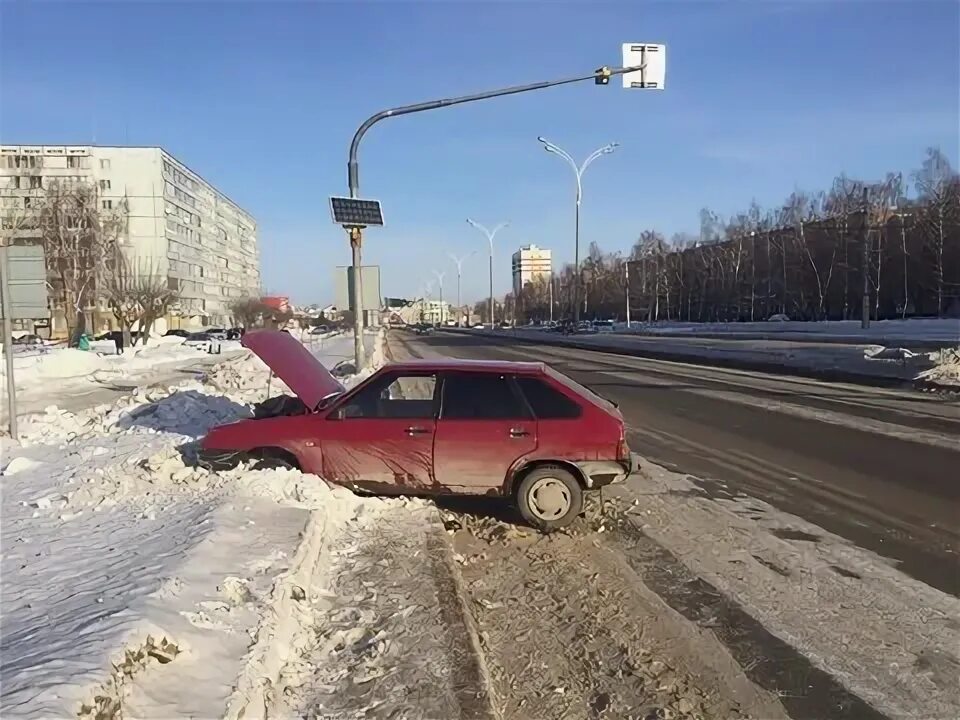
(381,438)
(483,429)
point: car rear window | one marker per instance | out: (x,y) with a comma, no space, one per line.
(547,403)
(582,390)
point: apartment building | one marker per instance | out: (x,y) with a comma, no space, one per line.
(530,262)
(179,225)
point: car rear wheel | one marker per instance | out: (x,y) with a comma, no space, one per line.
(549,498)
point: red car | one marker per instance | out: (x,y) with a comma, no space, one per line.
(436,427)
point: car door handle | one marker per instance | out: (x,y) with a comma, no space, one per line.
(416,430)
(518,432)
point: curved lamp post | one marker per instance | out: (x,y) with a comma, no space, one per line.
(458,261)
(578,170)
(490,234)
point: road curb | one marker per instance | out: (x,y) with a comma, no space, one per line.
(477,704)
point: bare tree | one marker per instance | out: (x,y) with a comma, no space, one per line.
(119,288)
(939,190)
(801,211)
(155,297)
(78,236)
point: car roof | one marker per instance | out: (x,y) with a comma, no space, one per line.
(453,364)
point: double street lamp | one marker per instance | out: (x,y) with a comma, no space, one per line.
(578,171)
(490,234)
(458,261)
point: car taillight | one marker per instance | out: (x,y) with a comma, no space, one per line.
(623,450)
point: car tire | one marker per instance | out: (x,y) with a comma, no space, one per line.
(549,498)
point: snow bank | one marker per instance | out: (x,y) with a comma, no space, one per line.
(137,584)
(947,368)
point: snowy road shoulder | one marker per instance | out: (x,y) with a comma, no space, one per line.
(135,583)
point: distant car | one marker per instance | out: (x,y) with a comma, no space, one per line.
(217,333)
(522,431)
(603,326)
(320,330)
(422,329)
(27,339)
(177,333)
(204,341)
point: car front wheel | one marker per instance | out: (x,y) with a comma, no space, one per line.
(549,498)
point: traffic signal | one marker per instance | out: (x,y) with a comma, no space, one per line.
(602,76)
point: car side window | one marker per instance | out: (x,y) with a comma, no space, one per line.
(480,396)
(546,402)
(403,396)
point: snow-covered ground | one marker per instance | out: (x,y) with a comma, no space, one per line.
(907,333)
(135,584)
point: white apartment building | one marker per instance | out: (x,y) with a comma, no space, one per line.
(179,226)
(530,262)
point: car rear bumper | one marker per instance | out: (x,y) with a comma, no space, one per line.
(606,472)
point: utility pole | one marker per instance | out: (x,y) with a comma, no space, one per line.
(626,285)
(439,276)
(551,297)
(8,343)
(865,266)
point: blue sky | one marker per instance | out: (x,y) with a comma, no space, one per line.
(263,98)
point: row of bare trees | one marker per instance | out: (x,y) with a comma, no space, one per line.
(814,258)
(88,258)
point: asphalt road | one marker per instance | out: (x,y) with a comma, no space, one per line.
(878,467)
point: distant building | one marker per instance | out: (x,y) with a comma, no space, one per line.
(178,225)
(529,263)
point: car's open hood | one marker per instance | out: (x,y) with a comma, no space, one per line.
(293,363)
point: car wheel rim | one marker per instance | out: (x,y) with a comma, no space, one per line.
(548,499)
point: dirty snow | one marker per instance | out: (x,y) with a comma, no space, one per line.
(946,370)
(137,584)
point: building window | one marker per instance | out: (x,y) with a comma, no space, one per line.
(108,204)
(26,203)
(105,164)
(14,183)
(36,182)
(104,184)
(73,162)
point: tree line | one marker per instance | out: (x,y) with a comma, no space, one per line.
(815,257)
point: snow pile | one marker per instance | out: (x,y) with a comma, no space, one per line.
(138,584)
(879,352)
(947,368)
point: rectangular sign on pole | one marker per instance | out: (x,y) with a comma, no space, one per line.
(27,278)
(369,287)
(653,60)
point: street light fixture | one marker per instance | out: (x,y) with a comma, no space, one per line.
(490,234)
(458,261)
(578,171)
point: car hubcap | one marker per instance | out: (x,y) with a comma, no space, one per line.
(549,499)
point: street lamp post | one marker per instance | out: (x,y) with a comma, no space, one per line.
(458,261)
(490,234)
(578,171)
(439,277)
